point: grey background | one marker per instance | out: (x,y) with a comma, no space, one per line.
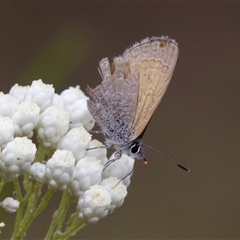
(197,123)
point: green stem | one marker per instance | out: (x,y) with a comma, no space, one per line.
(44,202)
(32,212)
(73,226)
(27,182)
(59,215)
(70,232)
(72,220)
(2,183)
(65,204)
(40,154)
(18,190)
(20,208)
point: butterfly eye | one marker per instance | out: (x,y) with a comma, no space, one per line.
(135,148)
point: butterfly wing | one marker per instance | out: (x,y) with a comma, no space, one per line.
(154,60)
(112,103)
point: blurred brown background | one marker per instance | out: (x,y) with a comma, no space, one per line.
(197,123)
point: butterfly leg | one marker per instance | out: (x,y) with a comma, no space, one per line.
(90,131)
(117,155)
(125,176)
(96,147)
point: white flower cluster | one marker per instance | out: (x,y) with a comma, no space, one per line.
(60,123)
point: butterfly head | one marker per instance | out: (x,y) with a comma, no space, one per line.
(136,149)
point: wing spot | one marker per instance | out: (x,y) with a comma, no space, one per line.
(163,43)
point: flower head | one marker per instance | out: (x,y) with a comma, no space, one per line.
(16,158)
(46,136)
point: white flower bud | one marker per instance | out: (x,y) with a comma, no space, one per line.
(37,171)
(25,118)
(2,224)
(88,172)
(16,158)
(98,150)
(10,204)
(94,204)
(80,115)
(75,102)
(57,101)
(120,168)
(6,131)
(76,141)
(18,92)
(117,190)
(40,93)
(8,105)
(53,124)
(71,95)
(59,170)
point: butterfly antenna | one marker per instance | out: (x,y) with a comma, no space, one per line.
(168,158)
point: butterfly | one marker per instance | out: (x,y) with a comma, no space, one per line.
(130,91)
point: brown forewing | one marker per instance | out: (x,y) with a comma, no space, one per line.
(154,61)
